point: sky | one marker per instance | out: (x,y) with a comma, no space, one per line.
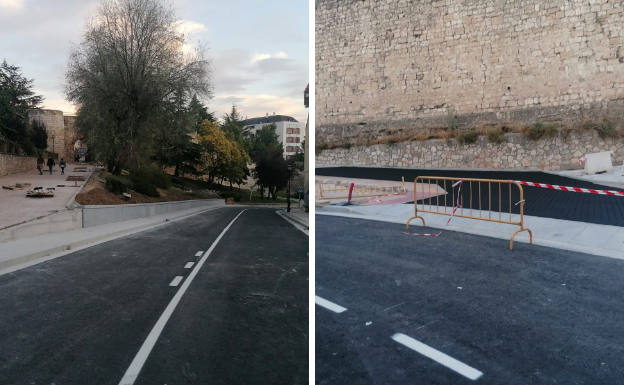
(258,49)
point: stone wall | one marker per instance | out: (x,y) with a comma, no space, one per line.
(11,164)
(517,152)
(55,127)
(395,67)
(71,136)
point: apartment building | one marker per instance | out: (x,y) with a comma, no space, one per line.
(289,131)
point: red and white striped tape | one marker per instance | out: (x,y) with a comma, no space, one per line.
(572,189)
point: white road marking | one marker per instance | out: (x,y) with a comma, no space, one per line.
(329,305)
(189,265)
(139,360)
(438,356)
(176,281)
(199,253)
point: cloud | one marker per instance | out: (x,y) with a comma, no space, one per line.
(188,27)
(12,4)
(273,65)
(60,104)
(259,57)
(255,105)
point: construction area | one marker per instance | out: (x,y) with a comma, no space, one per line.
(461,276)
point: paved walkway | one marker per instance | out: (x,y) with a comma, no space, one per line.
(16,208)
(584,237)
(298,215)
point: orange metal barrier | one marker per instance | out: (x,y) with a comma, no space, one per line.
(477,193)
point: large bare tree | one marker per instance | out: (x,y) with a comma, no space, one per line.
(129,70)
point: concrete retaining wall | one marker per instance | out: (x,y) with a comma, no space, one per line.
(12,164)
(98,215)
(65,220)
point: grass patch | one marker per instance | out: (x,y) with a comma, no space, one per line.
(496,136)
(539,130)
(606,130)
(452,122)
(467,137)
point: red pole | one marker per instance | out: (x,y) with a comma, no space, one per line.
(350,192)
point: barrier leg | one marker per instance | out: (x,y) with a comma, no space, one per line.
(516,233)
(414,217)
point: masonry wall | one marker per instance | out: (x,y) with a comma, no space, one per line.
(11,164)
(55,127)
(561,152)
(70,137)
(397,67)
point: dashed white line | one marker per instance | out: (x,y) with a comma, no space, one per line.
(438,356)
(139,360)
(199,253)
(329,305)
(189,265)
(176,281)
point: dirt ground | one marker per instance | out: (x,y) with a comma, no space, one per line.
(95,193)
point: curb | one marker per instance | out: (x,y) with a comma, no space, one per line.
(295,219)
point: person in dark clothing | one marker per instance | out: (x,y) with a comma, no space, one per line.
(40,165)
(62,164)
(51,164)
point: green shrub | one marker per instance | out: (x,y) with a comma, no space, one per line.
(153,175)
(468,137)
(144,186)
(117,184)
(606,130)
(539,130)
(452,123)
(496,136)
(236,194)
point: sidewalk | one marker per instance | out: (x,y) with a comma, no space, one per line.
(613,178)
(583,237)
(16,208)
(298,215)
(24,252)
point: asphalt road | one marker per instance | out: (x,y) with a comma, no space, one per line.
(533,315)
(81,318)
(540,202)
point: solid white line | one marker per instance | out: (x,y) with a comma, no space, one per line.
(176,281)
(438,356)
(139,360)
(329,305)
(199,253)
(189,265)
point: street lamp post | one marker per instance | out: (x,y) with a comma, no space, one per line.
(291,166)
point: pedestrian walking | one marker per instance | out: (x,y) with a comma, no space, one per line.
(40,165)
(51,164)
(62,164)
